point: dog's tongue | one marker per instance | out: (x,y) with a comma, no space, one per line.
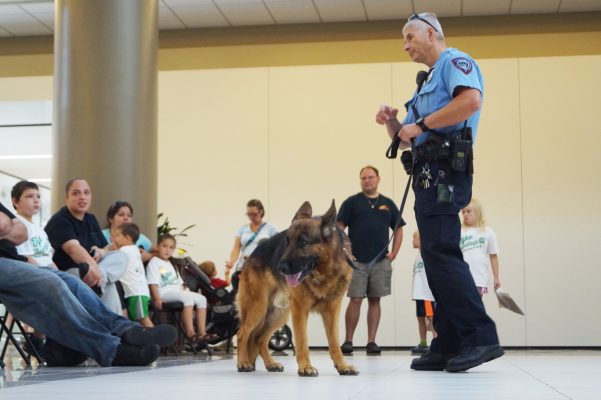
(293,280)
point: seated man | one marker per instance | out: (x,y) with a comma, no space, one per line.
(61,306)
(77,239)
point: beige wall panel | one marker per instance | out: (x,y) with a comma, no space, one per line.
(213,154)
(560,108)
(322,131)
(498,185)
(26,88)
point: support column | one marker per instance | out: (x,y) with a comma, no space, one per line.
(105,104)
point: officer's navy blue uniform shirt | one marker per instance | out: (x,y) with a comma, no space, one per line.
(452,70)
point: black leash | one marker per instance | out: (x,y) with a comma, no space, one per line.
(389,154)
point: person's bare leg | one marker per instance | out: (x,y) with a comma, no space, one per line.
(187,320)
(201,322)
(351,317)
(373,318)
(146,322)
(423,329)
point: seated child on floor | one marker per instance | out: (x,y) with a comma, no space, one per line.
(133,279)
(166,286)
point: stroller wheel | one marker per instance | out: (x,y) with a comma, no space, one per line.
(281,339)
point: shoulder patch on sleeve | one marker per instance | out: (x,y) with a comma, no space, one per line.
(463,64)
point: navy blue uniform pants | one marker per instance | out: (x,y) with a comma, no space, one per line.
(460,318)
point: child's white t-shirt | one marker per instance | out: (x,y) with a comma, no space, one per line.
(477,245)
(134,279)
(161,273)
(421,289)
(37,244)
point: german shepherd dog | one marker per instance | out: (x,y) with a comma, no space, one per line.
(301,269)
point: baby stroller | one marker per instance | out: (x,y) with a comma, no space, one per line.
(221,314)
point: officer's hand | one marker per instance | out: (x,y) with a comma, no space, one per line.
(409,131)
(386,114)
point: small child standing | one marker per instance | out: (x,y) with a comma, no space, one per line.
(166,286)
(26,201)
(209,268)
(133,279)
(479,247)
(424,300)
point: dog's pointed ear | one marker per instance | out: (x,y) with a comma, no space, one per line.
(328,221)
(305,211)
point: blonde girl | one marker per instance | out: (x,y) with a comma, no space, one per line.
(479,247)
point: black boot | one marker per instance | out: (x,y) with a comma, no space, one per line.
(163,335)
(128,355)
(57,355)
(472,356)
(431,361)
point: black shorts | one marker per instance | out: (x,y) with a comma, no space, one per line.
(424,308)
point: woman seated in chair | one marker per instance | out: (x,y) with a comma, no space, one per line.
(119,213)
(166,286)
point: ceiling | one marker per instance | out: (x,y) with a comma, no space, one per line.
(20,18)
(36,17)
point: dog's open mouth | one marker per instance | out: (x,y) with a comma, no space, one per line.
(294,280)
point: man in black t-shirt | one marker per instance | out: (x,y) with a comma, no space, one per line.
(77,239)
(369,215)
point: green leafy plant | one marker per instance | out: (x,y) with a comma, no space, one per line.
(165,227)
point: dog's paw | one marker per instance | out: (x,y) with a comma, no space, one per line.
(347,370)
(246,367)
(274,367)
(308,371)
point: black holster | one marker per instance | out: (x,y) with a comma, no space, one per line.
(454,149)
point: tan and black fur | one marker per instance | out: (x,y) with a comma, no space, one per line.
(300,270)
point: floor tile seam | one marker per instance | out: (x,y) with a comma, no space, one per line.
(376,381)
(539,380)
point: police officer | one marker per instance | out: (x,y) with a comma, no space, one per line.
(448,102)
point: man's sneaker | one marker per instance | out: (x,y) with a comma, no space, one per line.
(372,348)
(347,347)
(419,349)
(128,355)
(162,335)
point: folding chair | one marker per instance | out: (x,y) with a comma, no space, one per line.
(173,312)
(7,328)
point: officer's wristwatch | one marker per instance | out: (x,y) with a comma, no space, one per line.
(420,122)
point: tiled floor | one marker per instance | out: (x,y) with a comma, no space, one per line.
(545,375)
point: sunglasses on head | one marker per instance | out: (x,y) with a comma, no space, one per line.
(416,16)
